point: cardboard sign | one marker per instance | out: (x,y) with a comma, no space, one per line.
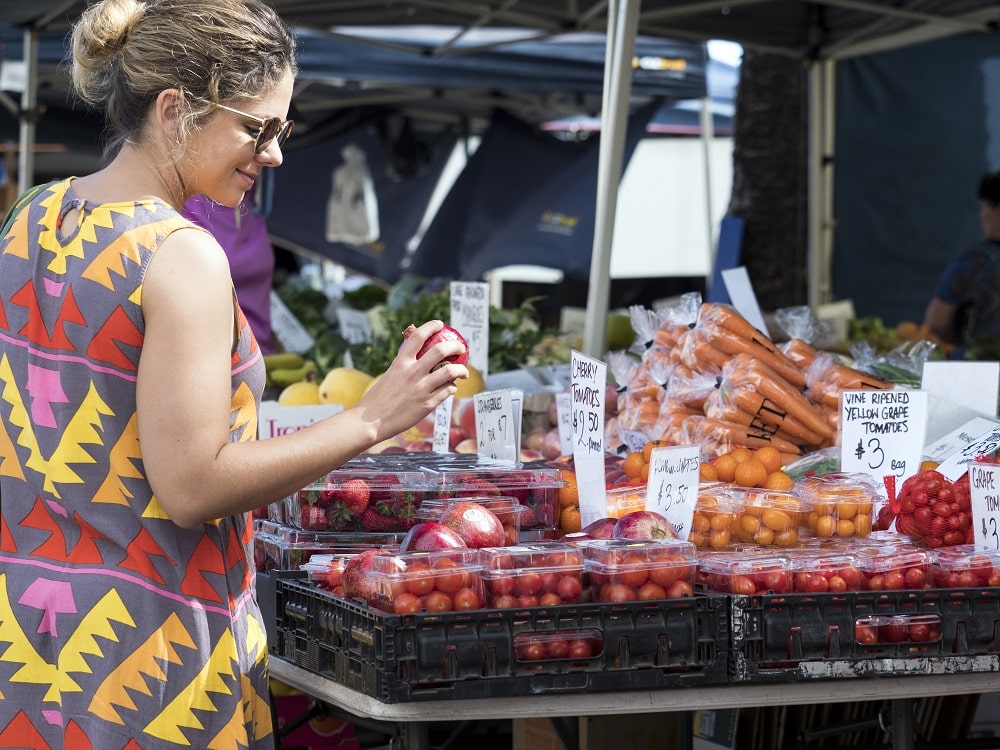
(588,378)
(470,315)
(275,419)
(672,487)
(882,432)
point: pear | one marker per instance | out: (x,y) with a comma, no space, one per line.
(344,386)
(303,393)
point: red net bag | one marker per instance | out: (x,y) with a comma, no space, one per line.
(935,510)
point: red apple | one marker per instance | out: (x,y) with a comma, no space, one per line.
(430,535)
(447,334)
(643,524)
(602,528)
(476,524)
(528,455)
(357,580)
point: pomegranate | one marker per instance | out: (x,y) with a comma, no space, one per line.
(602,528)
(477,525)
(357,579)
(447,334)
(430,535)
(643,524)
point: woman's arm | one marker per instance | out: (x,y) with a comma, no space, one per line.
(183,396)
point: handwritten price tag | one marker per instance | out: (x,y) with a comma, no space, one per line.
(672,487)
(984,486)
(442,425)
(882,432)
(587,380)
(956,464)
(470,314)
(354,325)
(564,415)
(495,426)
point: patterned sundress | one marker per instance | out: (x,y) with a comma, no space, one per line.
(118,629)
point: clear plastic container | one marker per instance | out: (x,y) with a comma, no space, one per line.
(894,569)
(620,570)
(716,520)
(529,575)
(770,518)
(841,505)
(326,571)
(283,547)
(877,630)
(505,508)
(578,644)
(747,573)
(434,581)
(824,573)
(963,566)
(625,499)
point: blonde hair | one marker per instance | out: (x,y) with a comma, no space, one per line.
(125,52)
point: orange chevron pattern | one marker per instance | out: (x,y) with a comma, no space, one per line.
(118,630)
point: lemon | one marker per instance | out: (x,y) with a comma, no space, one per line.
(470,386)
(620,333)
(303,393)
(343,385)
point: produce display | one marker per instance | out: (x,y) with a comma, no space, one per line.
(817,568)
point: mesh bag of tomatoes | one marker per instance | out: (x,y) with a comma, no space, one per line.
(935,510)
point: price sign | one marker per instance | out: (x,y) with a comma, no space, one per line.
(442,425)
(495,426)
(588,378)
(470,315)
(633,440)
(958,462)
(287,329)
(672,487)
(984,486)
(354,325)
(274,419)
(564,416)
(882,432)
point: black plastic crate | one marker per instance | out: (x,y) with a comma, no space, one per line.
(489,652)
(784,637)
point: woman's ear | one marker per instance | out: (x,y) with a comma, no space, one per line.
(167,112)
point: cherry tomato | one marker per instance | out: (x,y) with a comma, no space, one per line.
(679,590)
(507,601)
(865,634)
(650,591)
(569,588)
(438,601)
(466,598)
(549,599)
(527,584)
(557,648)
(580,648)
(532,650)
(406,604)
(920,632)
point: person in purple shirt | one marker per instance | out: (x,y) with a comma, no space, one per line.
(242,232)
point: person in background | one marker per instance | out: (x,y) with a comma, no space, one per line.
(965,309)
(242,232)
(131,387)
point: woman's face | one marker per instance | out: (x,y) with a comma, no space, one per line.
(220,161)
(989,219)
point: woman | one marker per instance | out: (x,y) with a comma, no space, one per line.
(130,384)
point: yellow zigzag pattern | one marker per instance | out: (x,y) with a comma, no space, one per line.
(180,712)
(79,432)
(246,413)
(144,662)
(35,670)
(123,458)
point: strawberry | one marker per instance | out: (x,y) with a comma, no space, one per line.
(312,518)
(354,494)
(378,518)
(325,498)
(528,519)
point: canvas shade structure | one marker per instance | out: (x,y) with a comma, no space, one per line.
(816,31)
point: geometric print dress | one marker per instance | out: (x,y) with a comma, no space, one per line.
(118,629)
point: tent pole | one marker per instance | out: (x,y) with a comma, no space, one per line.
(623,24)
(828,225)
(707,136)
(29,105)
(821,222)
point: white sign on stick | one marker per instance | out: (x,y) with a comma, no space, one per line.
(588,378)
(986,445)
(742,295)
(882,431)
(470,316)
(442,425)
(496,428)
(672,487)
(984,487)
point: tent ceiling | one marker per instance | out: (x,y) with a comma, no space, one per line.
(804,28)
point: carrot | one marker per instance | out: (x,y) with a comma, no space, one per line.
(800,352)
(735,434)
(727,409)
(746,370)
(703,357)
(729,343)
(727,317)
(764,410)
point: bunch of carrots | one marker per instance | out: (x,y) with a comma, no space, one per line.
(722,383)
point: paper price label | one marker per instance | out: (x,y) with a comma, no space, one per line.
(286,327)
(984,486)
(470,315)
(442,425)
(882,432)
(495,426)
(587,380)
(672,487)
(956,464)
(564,416)
(354,325)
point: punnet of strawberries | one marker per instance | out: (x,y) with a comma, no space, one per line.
(935,510)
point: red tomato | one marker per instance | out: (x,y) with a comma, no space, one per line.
(527,600)
(438,601)
(617,592)
(664,575)
(569,588)
(649,591)
(533,650)
(419,580)
(679,590)
(741,585)
(449,576)
(894,580)
(894,631)
(549,582)
(580,648)
(914,578)
(557,648)
(406,604)
(865,634)
(500,586)
(527,584)
(466,598)
(507,601)
(549,599)
(920,632)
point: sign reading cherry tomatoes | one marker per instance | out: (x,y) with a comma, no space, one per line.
(588,380)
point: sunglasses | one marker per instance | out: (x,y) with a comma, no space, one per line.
(268,129)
